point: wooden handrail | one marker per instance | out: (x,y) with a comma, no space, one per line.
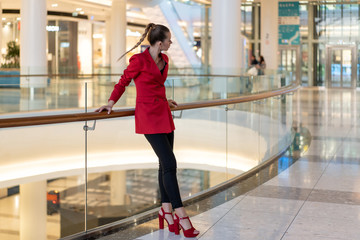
(90,75)
(78,117)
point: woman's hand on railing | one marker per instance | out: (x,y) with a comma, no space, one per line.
(107,107)
(172,103)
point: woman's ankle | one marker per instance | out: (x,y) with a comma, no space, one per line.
(180,212)
(167,207)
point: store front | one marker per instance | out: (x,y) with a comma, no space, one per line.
(289,60)
(341,66)
(332,43)
(322,24)
(74,46)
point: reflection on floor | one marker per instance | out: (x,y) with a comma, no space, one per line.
(141,187)
(318,197)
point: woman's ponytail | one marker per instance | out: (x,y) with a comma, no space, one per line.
(148,29)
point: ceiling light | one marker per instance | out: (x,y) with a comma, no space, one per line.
(101,2)
(130,33)
(78,9)
(97,35)
(54,5)
(82,12)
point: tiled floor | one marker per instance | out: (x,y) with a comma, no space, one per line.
(317,198)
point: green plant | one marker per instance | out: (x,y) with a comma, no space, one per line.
(12,56)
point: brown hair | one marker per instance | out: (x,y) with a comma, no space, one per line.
(154,33)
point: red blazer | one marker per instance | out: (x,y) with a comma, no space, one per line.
(152,111)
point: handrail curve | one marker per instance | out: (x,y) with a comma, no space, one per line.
(77,117)
(91,75)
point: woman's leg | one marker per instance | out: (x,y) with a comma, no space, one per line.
(164,197)
(162,145)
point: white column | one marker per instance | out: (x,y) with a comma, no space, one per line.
(33,42)
(256,14)
(226,36)
(269,32)
(107,61)
(117,187)
(33,211)
(226,43)
(205,40)
(118,37)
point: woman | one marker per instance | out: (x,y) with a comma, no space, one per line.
(262,65)
(153,119)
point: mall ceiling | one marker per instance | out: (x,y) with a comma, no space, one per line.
(99,10)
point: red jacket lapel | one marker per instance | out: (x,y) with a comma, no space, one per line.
(152,67)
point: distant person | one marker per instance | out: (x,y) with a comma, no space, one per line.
(153,119)
(253,69)
(261,66)
(253,60)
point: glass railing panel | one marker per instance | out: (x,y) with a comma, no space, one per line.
(42,181)
(200,147)
(276,122)
(223,87)
(243,138)
(65,93)
(257,85)
(189,88)
(270,127)
(117,161)
(291,113)
(286,117)
(124,167)
(246,85)
(261,84)
(237,86)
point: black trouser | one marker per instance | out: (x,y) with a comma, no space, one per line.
(163,144)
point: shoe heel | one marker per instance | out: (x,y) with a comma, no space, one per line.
(176,226)
(177,229)
(161,222)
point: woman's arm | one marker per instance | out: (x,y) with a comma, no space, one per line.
(131,72)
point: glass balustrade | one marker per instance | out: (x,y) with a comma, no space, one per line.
(67,93)
(42,178)
(72,180)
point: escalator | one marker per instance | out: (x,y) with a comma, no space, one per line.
(181,52)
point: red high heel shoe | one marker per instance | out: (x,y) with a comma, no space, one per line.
(189,233)
(161,221)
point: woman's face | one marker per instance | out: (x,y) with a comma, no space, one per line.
(167,42)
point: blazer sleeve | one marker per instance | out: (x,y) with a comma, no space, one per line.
(131,72)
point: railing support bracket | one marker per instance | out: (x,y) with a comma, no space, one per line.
(87,128)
